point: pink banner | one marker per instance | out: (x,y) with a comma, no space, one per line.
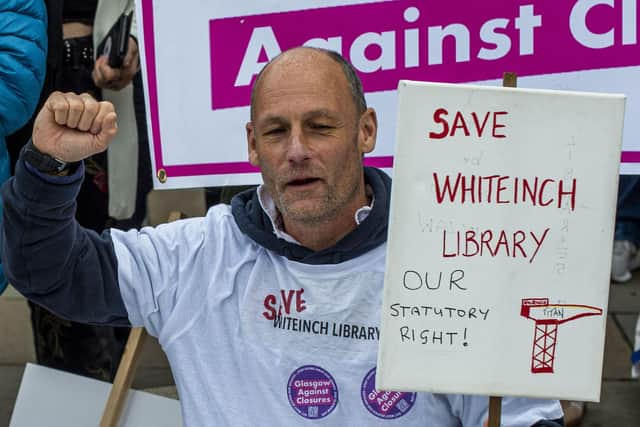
(430,40)
(455,41)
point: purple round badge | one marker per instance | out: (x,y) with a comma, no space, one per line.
(312,392)
(385,404)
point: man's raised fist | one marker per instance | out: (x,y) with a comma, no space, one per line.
(72,127)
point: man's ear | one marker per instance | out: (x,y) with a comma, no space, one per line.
(367,131)
(251,145)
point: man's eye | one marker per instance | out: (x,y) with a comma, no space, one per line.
(274,131)
(321,126)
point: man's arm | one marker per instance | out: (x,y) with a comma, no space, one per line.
(47,255)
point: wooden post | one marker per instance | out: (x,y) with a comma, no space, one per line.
(495,402)
(495,411)
(509,80)
(124,377)
(127,368)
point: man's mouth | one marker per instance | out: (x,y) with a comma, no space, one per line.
(301,182)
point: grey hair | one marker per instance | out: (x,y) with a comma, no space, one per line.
(355,85)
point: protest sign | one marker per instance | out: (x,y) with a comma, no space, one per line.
(48,397)
(500,241)
(200,58)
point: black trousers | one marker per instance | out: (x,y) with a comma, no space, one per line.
(91,351)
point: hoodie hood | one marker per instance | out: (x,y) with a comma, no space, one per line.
(371,233)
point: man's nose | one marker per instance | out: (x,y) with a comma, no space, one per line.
(298,150)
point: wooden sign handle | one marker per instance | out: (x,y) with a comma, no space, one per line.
(127,368)
(124,377)
(495,411)
(509,80)
(495,402)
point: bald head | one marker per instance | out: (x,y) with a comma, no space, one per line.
(296,59)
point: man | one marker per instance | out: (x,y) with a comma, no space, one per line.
(268,309)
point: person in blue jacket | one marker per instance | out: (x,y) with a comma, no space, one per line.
(23,51)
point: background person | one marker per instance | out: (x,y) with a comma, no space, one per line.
(23,47)
(626,257)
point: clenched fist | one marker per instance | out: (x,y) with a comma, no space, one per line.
(72,127)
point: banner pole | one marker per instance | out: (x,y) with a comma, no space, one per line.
(127,368)
(495,402)
(509,80)
(495,411)
(124,376)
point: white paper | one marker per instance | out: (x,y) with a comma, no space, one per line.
(52,398)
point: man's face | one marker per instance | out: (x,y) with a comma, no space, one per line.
(308,139)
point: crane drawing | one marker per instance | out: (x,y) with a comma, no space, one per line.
(547,317)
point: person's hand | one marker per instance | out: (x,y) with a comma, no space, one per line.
(72,127)
(106,77)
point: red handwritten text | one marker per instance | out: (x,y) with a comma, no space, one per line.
(474,125)
(487,242)
(504,189)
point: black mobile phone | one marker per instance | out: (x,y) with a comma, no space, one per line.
(116,42)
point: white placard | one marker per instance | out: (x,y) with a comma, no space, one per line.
(500,241)
(52,398)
